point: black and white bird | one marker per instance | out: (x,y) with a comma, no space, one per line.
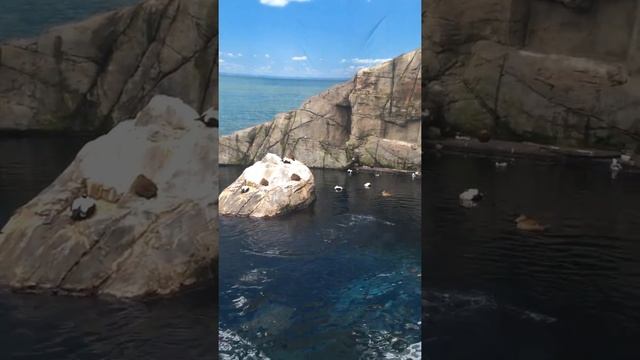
(367,185)
(501,164)
(337,188)
(349,171)
(615,168)
(83,208)
(470,197)
(415,174)
(244,189)
(209,118)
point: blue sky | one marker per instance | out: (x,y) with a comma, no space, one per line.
(314,38)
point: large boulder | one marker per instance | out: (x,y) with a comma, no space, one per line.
(345,124)
(92,74)
(270,187)
(133,245)
(556,72)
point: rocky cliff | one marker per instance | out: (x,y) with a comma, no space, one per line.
(554,71)
(92,74)
(372,120)
(154,229)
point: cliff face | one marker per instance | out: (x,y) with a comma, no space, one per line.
(95,73)
(561,71)
(374,119)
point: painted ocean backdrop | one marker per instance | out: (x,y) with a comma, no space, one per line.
(246,101)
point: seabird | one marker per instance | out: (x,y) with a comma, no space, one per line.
(349,171)
(286,160)
(502,164)
(377,174)
(367,185)
(209,118)
(526,223)
(415,174)
(337,188)
(473,195)
(244,189)
(385,193)
(82,207)
(615,165)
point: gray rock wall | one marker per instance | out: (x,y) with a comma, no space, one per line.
(92,74)
(374,119)
(561,72)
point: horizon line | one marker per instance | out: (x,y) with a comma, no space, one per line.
(292,77)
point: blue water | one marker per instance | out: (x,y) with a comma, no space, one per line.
(339,280)
(27,18)
(246,101)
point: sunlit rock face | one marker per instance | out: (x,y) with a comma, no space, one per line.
(92,74)
(270,187)
(556,72)
(146,237)
(374,120)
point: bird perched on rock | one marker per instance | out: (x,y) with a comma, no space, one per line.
(337,188)
(244,189)
(367,185)
(286,160)
(209,118)
(526,223)
(615,168)
(83,208)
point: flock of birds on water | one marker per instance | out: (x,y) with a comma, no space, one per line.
(367,185)
(471,197)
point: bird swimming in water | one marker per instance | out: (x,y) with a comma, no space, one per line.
(337,188)
(501,164)
(415,174)
(526,223)
(385,193)
(470,197)
(244,189)
(349,171)
(367,185)
(83,207)
(377,174)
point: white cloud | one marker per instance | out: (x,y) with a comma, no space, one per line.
(369,61)
(343,61)
(280,3)
(267,56)
(239,55)
(220,60)
(299,58)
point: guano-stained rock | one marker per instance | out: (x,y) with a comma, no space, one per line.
(131,246)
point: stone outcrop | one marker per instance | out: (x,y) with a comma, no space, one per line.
(132,246)
(561,72)
(270,187)
(372,120)
(92,74)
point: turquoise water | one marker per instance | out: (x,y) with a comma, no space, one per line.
(247,101)
(27,18)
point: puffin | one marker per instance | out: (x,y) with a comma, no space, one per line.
(337,188)
(367,185)
(83,207)
(244,189)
